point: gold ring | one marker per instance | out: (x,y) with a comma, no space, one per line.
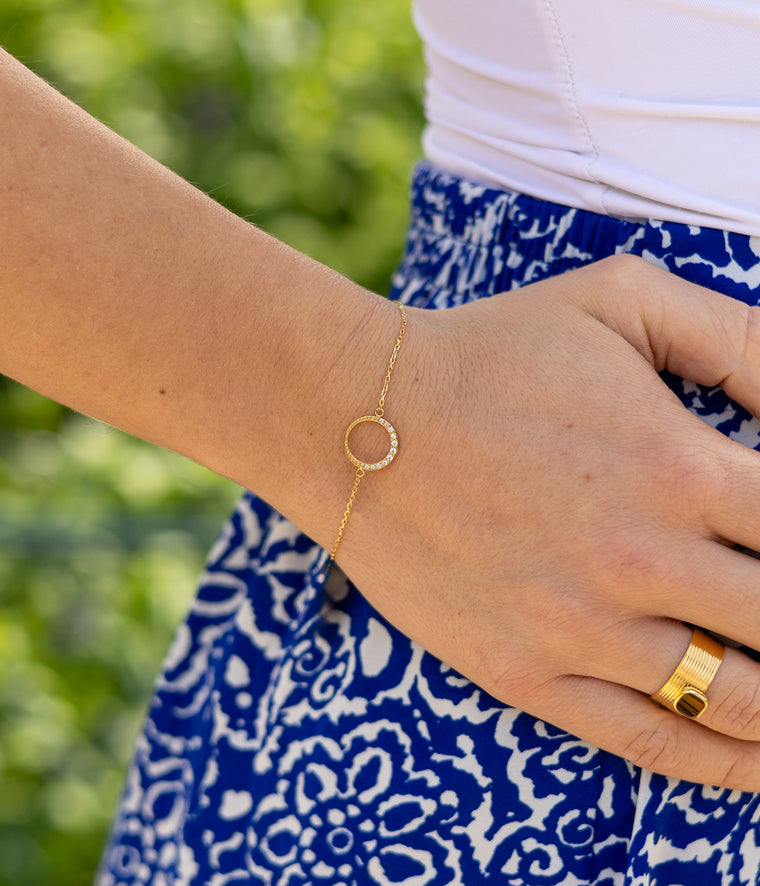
(685,691)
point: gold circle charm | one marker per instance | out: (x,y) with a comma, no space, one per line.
(384,462)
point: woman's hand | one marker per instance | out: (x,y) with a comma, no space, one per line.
(555,514)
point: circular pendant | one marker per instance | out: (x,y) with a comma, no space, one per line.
(384,462)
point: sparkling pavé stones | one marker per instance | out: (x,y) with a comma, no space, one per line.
(392,451)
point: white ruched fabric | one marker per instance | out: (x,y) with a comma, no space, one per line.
(632,108)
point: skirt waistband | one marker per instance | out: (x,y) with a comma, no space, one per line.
(511,239)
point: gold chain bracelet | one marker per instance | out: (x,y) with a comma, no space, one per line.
(377,418)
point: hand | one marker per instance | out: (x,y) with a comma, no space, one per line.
(555,514)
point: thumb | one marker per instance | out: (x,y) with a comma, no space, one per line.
(693,332)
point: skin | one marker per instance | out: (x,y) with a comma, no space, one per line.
(554,514)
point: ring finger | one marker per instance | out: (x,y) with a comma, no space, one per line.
(653,652)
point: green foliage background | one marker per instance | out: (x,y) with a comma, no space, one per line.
(302,115)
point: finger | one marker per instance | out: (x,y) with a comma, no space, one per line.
(717,589)
(631,725)
(731,493)
(684,577)
(653,652)
(692,331)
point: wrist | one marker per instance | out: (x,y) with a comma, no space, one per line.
(400,390)
(327,368)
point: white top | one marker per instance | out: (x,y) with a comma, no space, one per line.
(632,108)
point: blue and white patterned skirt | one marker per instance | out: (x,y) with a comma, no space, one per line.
(297,737)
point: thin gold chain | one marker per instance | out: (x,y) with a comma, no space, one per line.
(392,362)
(377,418)
(346,513)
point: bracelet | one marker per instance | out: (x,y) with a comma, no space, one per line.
(377,418)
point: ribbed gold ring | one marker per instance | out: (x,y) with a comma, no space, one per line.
(685,692)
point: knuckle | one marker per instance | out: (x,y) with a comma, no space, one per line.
(682,465)
(515,676)
(564,626)
(511,683)
(740,774)
(667,751)
(738,713)
(497,671)
(654,748)
(632,274)
(628,268)
(690,474)
(625,563)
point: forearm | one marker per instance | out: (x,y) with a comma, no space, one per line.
(131,296)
